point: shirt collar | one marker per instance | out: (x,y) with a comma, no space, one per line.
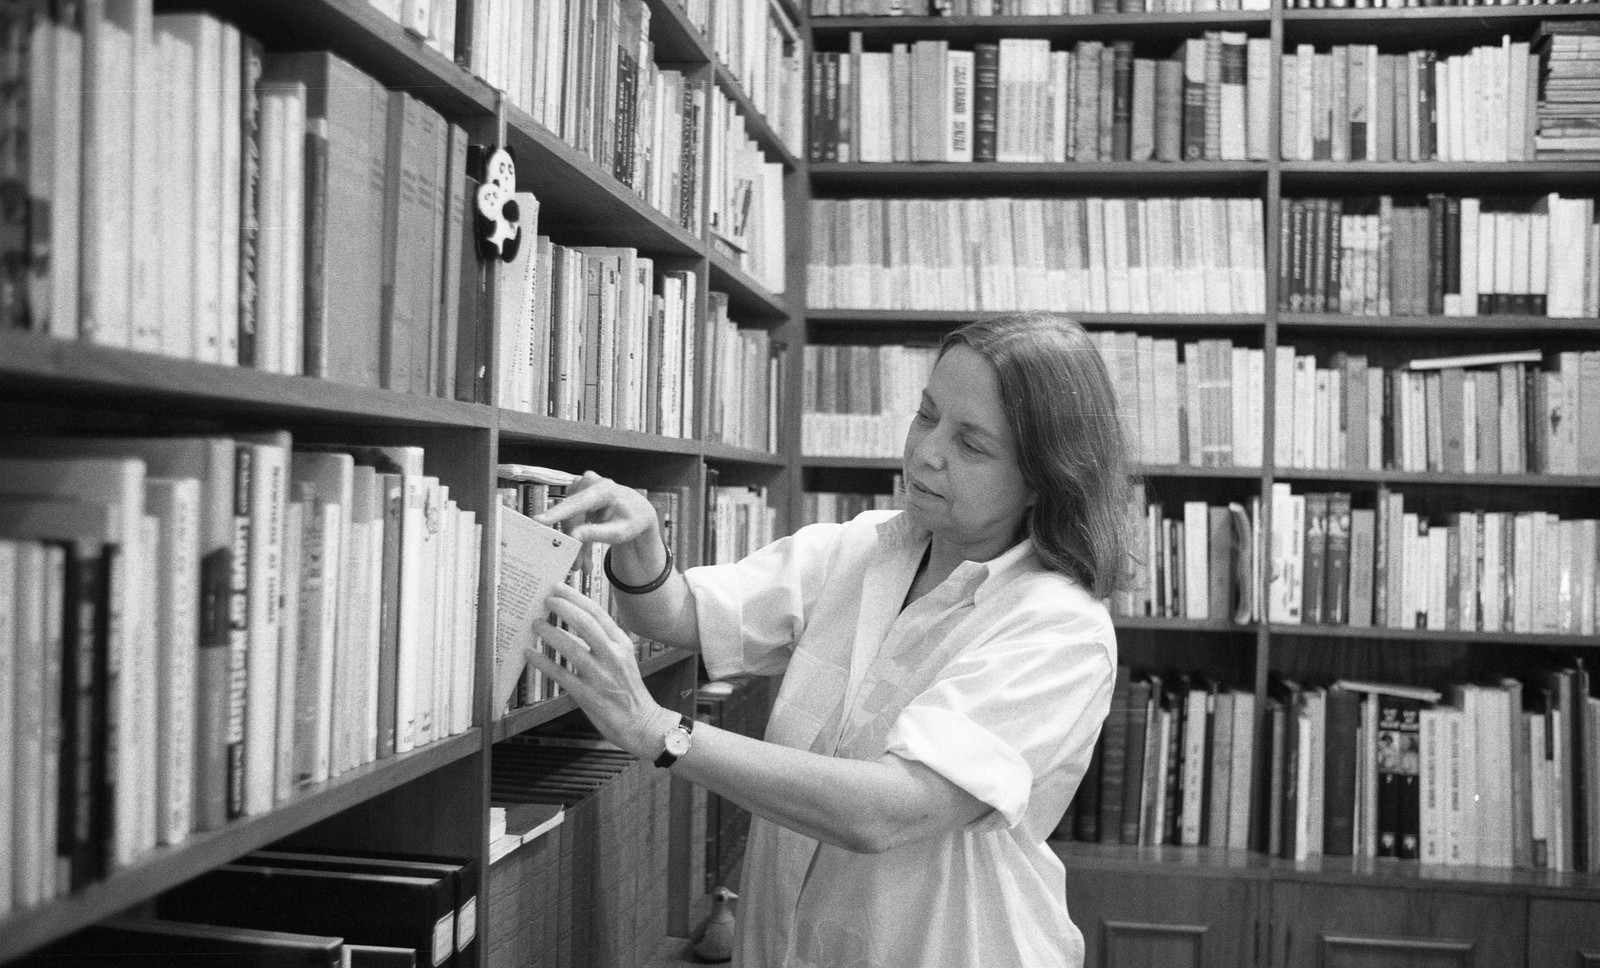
(900,534)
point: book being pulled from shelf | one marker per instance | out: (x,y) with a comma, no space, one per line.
(210,626)
(1483,413)
(1100,255)
(1440,255)
(1333,562)
(1019,100)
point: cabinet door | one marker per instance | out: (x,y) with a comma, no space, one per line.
(1163,920)
(1328,926)
(1563,934)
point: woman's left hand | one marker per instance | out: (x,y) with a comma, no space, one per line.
(602,674)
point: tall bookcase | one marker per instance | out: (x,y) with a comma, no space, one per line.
(435,799)
(1214,906)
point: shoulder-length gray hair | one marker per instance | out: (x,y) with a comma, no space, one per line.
(1062,409)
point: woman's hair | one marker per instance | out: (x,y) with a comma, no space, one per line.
(1062,410)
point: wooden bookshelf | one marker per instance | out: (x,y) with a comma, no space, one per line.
(1212,906)
(433,799)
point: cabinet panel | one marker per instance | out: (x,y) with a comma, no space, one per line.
(1563,934)
(1325,926)
(1132,920)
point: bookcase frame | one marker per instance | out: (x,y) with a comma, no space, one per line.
(434,799)
(1164,898)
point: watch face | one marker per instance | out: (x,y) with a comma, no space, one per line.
(677,742)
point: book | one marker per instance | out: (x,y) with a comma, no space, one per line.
(532,559)
(139,940)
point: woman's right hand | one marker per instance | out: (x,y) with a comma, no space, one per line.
(601,510)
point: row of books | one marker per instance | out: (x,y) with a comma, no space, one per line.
(838,507)
(1202,409)
(1569,112)
(525,883)
(600,90)
(532,558)
(760,43)
(1020,101)
(594,334)
(433,21)
(1019,8)
(1498,776)
(606,864)
(227,204)
(740,705)
(1491,414)
(1352,103)
(1171,255)
(207,626)
(1200,566)
(1440,255)
(745,210)
(856,401)
(739,522)
(298,907)
(746,367)
(1331,562)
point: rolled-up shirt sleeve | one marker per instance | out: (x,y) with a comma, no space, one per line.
(751,612)
(1009,712)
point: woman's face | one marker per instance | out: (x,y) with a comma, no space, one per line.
(961,473)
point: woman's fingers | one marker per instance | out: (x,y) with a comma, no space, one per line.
(576,502)
(555,672)
(586,618)
(572,647)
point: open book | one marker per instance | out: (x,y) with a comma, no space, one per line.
(533,560)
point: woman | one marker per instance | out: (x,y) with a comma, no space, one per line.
(947,669)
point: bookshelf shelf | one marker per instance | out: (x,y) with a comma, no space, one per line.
(982,178)
(1184,470)
(81,374)
(1436,25)
(832,31)
(854,463)
(1574,482)
(529,428)
(580,203)
(676,40)
(528,717)
(748,300)
(170,866)
(755,122)
(940,319)
(1441,636)
(1379,177)
(1509,325)
(1150,623)
(729,454)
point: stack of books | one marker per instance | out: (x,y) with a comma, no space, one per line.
(1569,106)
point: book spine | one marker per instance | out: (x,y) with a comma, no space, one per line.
(985,100)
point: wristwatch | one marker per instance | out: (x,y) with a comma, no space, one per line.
(675,742)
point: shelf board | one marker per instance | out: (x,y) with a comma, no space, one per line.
(1150,623)
(168,867)
(755,121)
(39,368)
(949,319)
(582,204)
(529,428)
(729,454)
(676,40)
(367,38)
(886,464)
(1423,636)
(1436,25)
(1568,482)
(1517,325)
(833,32)
(1418,177)
(1216,862)
(1184,470)
(527,717)
(748,300)
(982,178)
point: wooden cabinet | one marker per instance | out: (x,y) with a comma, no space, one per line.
(1151,920)
(1563,934)
(1344,926)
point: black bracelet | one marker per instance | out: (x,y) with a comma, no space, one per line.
(645,589)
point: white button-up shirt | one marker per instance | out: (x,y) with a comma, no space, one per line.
(998,680)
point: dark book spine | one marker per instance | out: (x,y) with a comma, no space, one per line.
(1121,99)
(1114,760)
(1399,802)
(1452,248)
(1194,101)
(985,100)
(1133,784)
(1335,256)
(1086,819)
(814,107)
(1316,545)
(249,194)
(1436,260)
(689,162)
(315,327)
(1427,107)
(1339,773)
(622,143)
(1336,573)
